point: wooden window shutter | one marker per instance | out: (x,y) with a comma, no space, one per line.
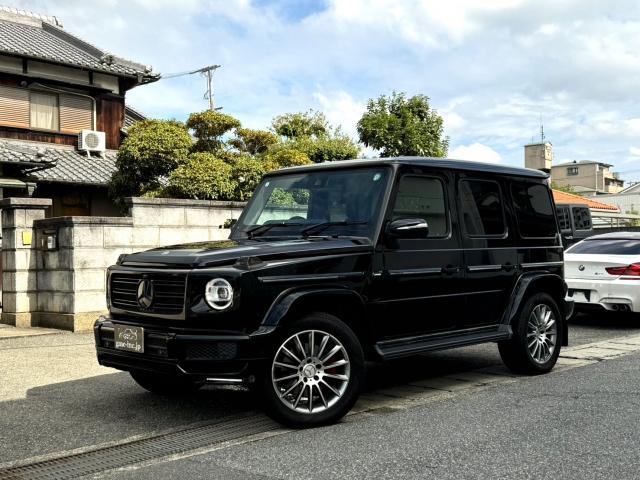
(14,107)
(76,113)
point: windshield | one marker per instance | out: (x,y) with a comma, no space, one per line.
(327,202)
(607,247)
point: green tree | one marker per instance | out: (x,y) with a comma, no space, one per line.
(209,128)
(310,133)
(325,148)
(151,151)
(202,176)
(397,125)
(247,172)
(253,142)
(633,222)
(286,157)
(301,124)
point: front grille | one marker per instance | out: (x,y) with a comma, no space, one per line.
(168,292)
(211,351)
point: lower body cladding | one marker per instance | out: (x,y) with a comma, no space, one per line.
(210,357)
(612,295)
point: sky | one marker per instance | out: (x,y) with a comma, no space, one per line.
(494,69)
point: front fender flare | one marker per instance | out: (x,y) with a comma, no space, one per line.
(284,303)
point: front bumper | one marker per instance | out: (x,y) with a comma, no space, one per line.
(611,295)
(212,355)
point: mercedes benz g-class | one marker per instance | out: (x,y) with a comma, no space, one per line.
(335,264)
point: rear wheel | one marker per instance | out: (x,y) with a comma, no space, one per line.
(168,385)
(314,374)
(537,337)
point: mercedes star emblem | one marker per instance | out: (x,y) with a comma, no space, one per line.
(145,293)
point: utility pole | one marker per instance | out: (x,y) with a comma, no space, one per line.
(207,72)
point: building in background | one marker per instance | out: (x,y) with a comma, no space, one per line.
(62,113)
(628,200)
(538,156)
(587,177)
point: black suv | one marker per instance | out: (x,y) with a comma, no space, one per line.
(335,264)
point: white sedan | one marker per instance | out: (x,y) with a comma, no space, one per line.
(603,271)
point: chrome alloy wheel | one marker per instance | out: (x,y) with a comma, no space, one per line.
(310,371)
(542,333)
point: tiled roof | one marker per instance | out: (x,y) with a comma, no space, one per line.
(21,153)
(42,38)
(564,197)
(131,116)
(66,164)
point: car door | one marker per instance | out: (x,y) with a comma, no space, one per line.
(421,280)
(490,249)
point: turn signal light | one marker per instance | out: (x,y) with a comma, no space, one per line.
(632,270)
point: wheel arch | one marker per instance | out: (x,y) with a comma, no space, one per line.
(539,282)
(344,304)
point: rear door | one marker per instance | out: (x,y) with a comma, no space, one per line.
(490,255)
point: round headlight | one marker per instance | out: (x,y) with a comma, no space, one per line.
(218,293)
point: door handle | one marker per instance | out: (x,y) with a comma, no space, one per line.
(507,267)
(450,270)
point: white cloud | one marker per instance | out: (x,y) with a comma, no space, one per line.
(495,69)
(476,152)
(341,109)
(635,151)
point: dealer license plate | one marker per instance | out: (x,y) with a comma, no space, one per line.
(129,338)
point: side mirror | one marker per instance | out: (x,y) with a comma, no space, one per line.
(408,228)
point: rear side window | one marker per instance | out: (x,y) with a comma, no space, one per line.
(481,206)
(422,197)
(563,218)
(607,247)
(581,218)
(534,210)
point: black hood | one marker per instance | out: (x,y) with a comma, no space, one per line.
(227,252)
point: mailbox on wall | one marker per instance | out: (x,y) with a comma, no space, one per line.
(49,240)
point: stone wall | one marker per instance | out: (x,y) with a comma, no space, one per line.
(66,286)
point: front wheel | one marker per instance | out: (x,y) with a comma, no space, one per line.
(314,374)
(537,337)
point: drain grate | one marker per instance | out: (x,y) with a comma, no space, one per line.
(117,456)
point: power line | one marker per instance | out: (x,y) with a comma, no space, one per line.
(207,72)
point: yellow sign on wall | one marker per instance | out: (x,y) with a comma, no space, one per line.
(27,236)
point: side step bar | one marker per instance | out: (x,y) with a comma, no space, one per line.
(403,347)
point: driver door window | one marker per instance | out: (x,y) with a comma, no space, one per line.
(422,197)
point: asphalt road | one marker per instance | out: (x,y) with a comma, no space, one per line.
(581,423)
(55,398)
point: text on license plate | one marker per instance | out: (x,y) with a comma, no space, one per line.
(128,338)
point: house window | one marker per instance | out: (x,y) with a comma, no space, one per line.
(44,111)
(572,171)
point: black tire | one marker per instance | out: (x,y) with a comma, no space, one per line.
(515,352)
(277,406)
(166,385)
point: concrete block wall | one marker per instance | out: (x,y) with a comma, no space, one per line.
(66,287)
(19,259)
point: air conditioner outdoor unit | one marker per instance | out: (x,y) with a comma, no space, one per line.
(91,141)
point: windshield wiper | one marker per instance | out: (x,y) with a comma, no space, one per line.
(318,227)
(260,229)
